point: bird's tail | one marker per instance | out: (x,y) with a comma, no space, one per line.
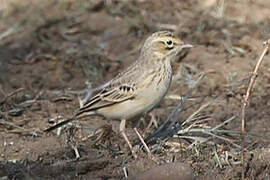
(78,115)
(59,124)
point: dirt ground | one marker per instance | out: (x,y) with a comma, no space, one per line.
(51,50)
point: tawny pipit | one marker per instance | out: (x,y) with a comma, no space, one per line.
(140,87)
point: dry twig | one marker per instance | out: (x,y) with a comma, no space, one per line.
(13,29)
(245,103)
(144,144)
(11,94)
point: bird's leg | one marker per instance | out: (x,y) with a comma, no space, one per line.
(152,121)
(122,131)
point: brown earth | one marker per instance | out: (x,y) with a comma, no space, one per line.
(50,50)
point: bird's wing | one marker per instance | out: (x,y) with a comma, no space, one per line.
(121,88)
(108,96)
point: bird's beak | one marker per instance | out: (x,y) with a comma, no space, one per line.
(179,49)
(186,46)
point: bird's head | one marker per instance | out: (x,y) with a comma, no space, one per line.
(163,44)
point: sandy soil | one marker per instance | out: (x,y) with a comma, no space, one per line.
(50,50)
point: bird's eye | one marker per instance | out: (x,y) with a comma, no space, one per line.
(169,42)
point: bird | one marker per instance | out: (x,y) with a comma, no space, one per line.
(137,89)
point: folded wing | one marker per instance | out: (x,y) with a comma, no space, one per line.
(108,96)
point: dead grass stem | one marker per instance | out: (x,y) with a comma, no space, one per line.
(246,101)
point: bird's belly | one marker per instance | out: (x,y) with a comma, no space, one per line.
(145,101)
